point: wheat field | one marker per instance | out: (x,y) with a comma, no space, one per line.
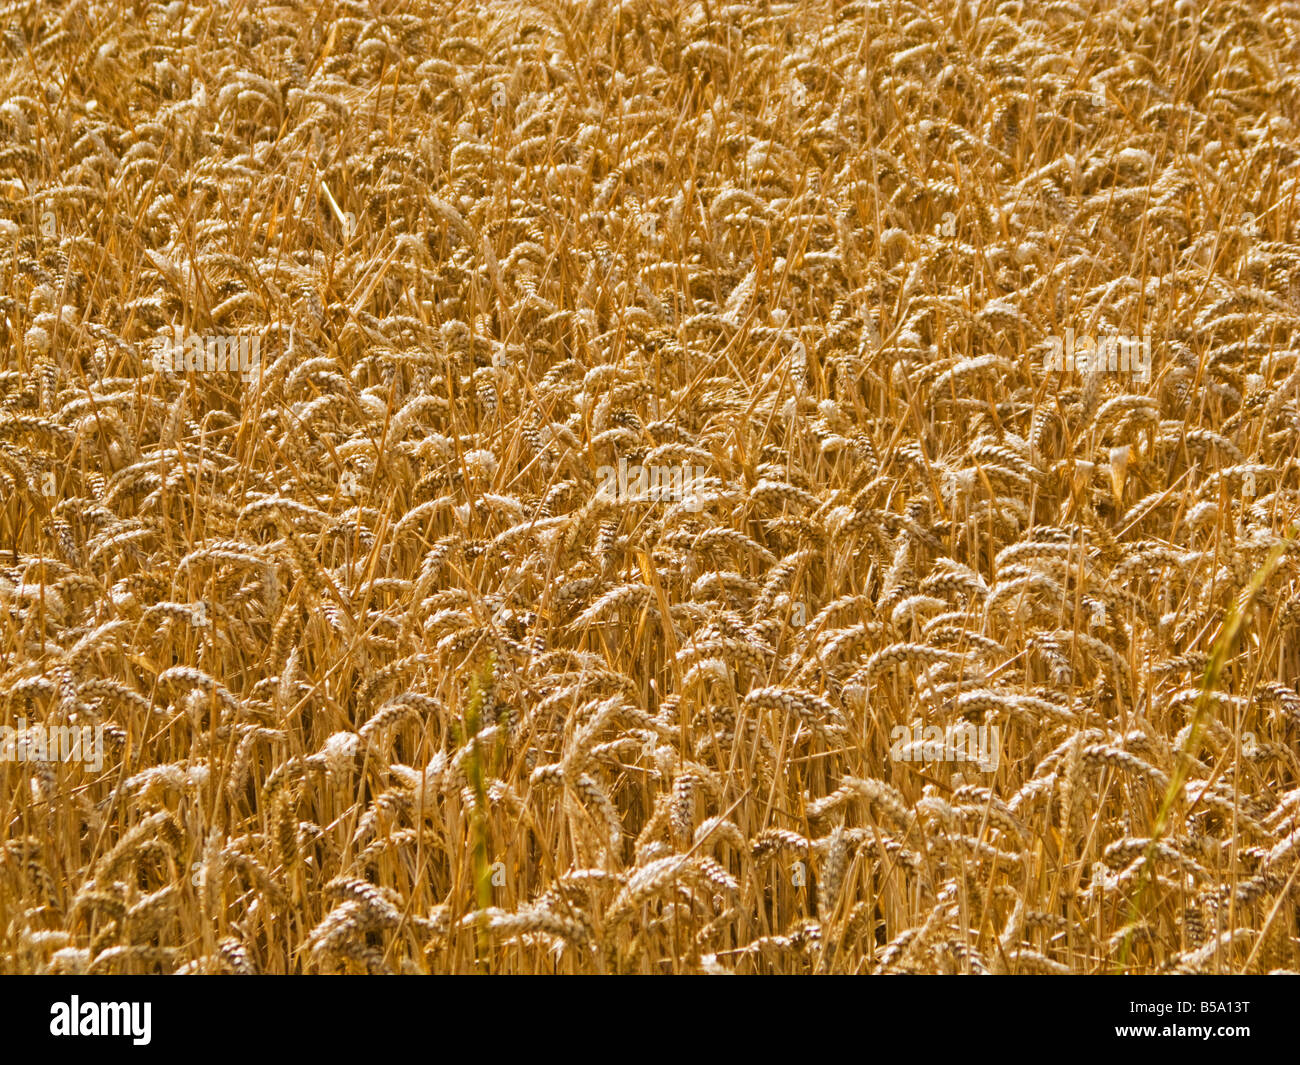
(622,487)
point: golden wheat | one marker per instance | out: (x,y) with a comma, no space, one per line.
(654,418)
